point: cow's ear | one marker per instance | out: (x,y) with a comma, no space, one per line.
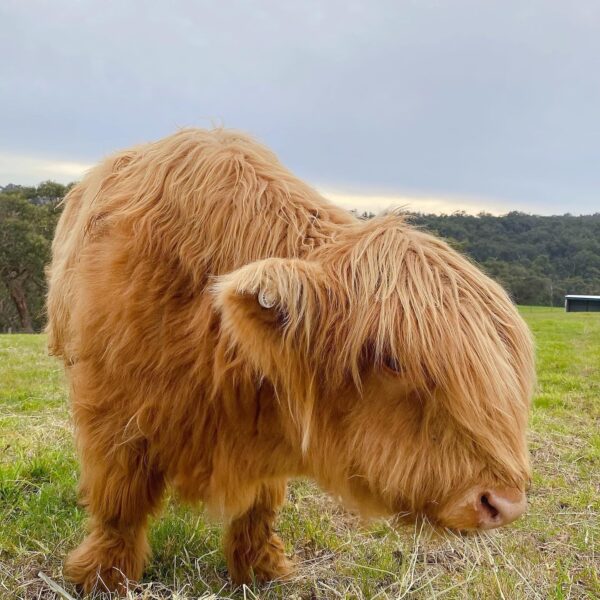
(270,301)
(271,314)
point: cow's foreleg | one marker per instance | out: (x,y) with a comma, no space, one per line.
(252,548)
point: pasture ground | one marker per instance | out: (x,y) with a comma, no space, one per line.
(552,553)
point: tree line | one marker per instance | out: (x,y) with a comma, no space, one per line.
(537,259)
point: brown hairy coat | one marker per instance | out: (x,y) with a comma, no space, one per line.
(224,327)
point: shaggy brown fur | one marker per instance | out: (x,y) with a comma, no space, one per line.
(389,369)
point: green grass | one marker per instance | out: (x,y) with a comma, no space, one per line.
(551,553)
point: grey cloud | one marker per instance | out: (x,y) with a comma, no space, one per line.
(493,99)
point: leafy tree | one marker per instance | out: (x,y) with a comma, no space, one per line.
(26,230)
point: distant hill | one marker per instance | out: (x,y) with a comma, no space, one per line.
(538,259)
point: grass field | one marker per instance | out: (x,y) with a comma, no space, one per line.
(552,553)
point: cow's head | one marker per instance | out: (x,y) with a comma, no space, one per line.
(405,371)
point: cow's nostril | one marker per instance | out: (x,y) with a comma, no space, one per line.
(492,511)
(499,507)
(484,508)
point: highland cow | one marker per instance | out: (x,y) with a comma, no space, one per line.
(224,328)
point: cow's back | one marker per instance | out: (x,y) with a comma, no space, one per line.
(142,234)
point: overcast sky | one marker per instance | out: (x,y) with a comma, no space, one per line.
(440,105)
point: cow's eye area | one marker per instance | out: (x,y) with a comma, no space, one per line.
(391,365)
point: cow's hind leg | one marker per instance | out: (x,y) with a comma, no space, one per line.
(251,546)
(119,490)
